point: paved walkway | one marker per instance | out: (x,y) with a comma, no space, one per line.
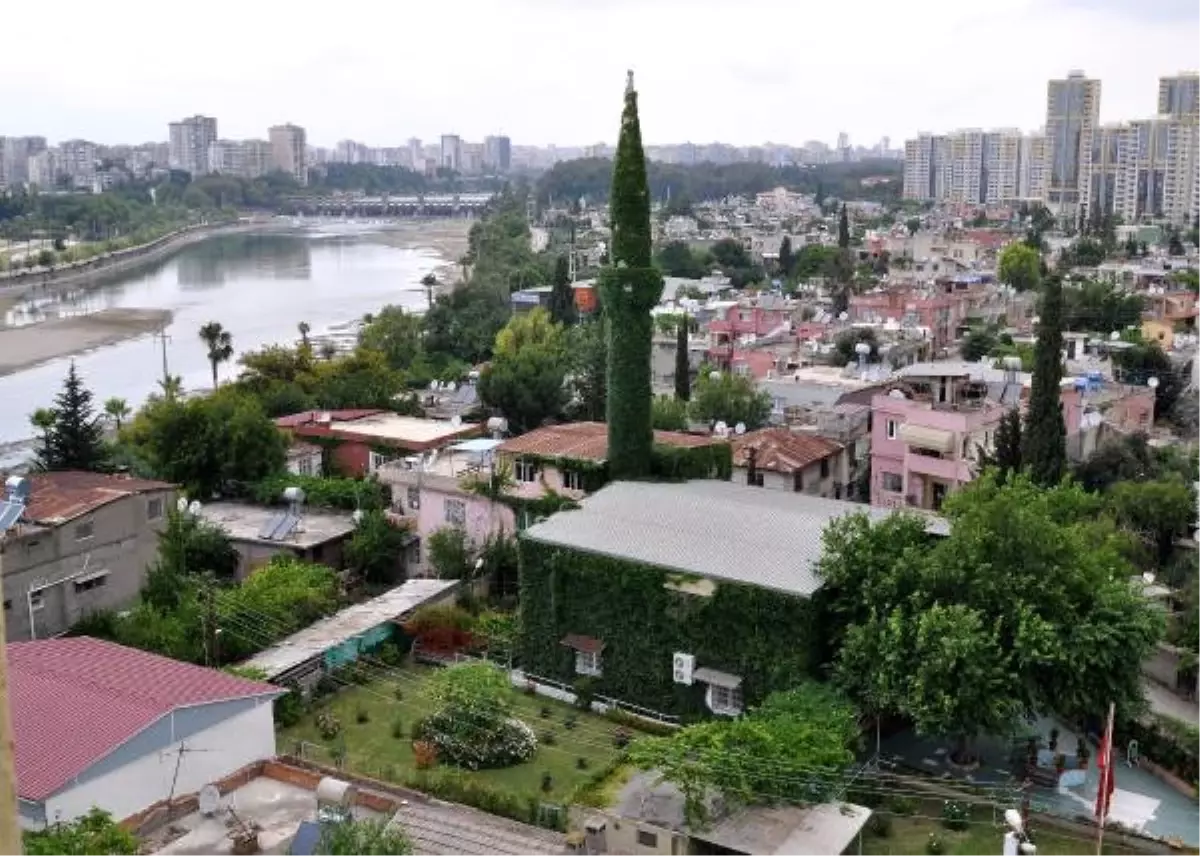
(1165,702)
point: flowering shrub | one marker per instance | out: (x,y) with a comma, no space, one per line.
(479,741)
(956,815)
(424,754)
(328,724)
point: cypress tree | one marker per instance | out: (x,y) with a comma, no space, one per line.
(786,260)
(562,297)
(630,286)
(76,441)
(1008,444)
(844,229)
(683,365)
(1044,450)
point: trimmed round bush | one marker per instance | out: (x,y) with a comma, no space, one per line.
(479,742)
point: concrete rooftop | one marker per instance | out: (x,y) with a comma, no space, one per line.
(243,522)
(406,429)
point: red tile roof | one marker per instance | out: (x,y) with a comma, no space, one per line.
(309,417)
(75,700)
(585,441)
(586,644)
(782,450)
(62,496)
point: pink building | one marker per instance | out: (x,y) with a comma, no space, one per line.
(741,321)
(940,313)
(928,428)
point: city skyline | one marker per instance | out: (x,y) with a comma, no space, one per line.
(717,84)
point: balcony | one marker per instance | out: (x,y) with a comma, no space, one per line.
(938,468)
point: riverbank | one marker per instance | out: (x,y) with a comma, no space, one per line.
(449,238)
(33,344)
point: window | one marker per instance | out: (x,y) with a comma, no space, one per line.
(892,429)
(85,530)
(724,699)
(587,663)
(455,512)
(798,481)
(8,604)
(525,471)
(825,468)
(376,461)
(36,601)
(305,466)
(90,583)
(572,480)
(893,482)
(414,498)
(755,479)
(154,509)
(646,839)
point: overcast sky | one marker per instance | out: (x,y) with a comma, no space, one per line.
(552,71)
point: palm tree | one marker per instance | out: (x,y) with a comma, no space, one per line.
(117,410)
(430,282)
(303,328)
(328,351)
(492,485)
(220,345)
(171,386)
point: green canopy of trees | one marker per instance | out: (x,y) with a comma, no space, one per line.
(72,437)
(525,379)
(1020,266)
(729,398)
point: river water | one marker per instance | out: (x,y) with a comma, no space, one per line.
(259,286)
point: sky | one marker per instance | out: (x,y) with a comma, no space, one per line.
(553,71)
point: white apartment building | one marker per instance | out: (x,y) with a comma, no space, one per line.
(15,153)
(289,151)
(1002,166)
(241,158)
(77,159)
(451,152)
(188,141)
(1179,95)
(968,166)
(43,170)
(1031,182)
(1106,166)
(1156,173)
(1072,115)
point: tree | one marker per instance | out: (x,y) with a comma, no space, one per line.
(1045,442)
(366,837)
(463,323)
(187,546)
(669,413)
(979,342)
(843,229)
(683,361)
(373,551)
(394,333)
(219,343)
(1006,453)
(43,419)
(1146,360)
(1100,307)
(629,288)
(304,329)
(1024,608)
(588,370)
(75,441)
(1020,266)
(786,260)
(117,410)
(429,282)
(913,224)
(95,832)
(729,398)
(792,748)
(450,554)
(676,258)
(525,380)
(1157,511)
(844,345)
(562,296)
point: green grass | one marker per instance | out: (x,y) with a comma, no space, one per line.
(372,750)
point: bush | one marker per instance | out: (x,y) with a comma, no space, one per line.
(956,815)
(418,729)
(880,826)
(289,708)
(398,728)
(479,741)
(621,738)
(902,805)
(398,693)
(544,713)
(328,725)
(549,738)
(581,763)
(389,654)
(425,754)
(934,846)
(585,692)
(547,783)
(361,715)
(570,722)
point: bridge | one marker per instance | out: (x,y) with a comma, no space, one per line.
(427,205)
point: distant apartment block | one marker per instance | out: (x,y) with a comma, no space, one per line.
(15,153)
(289,151)
(451,152)
(969,166)
(497,153)
(241,158)
(188,141)
(1179,96)
(1072,116)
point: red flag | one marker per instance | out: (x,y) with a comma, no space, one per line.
(1104,763)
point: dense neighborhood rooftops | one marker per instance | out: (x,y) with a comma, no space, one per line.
(328,633)
(377,426)
(714,529)
(75,700)
(782,450)
(585,441)
(244,522)
(59,497)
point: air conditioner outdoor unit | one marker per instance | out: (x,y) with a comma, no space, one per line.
(682,665)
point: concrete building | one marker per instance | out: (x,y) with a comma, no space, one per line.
(43,170)
(919,168)
(82,544)
(241,158)
(968,166)
(1031,182)
(99,725)
(289,151)
(1072,116)
(189,140)
(77,159)
(497,153)
(451,152)
(16,152)
(1156,169)
(1106,163)
(317,536)
(1179,96)
(795,461)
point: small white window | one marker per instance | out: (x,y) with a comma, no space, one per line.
(376,461)
(414,498)
(727,700)
(587,663)
(573,480)
(892,429)
(305,467)
(455,512)
(525,471)
(36,601)
(83,531)
(154,509)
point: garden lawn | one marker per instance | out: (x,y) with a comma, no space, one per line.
(373,750)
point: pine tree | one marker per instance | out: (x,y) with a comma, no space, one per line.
(629,288)
(562,297)
(1044,449)
(76,441)
(683,363)
(786,260)
(1007,455)
(844,229)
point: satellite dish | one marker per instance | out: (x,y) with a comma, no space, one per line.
(456,421)
(181,504)
(210,800)
(1114,336)
(433,384)
(714,375)
(739,429)
(194,507)
(721,429)
(843,316)
(1148,578)
(357,516)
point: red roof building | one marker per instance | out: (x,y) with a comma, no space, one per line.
(100,724)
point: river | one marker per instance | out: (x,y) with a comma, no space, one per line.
(259,286)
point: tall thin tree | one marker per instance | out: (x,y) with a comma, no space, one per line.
(1044,447)
(683,362)
(844,229)
(629,288)
(219,343)
(562,295)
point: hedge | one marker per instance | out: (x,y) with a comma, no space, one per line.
(343,493)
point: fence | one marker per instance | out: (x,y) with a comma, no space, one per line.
(562,691)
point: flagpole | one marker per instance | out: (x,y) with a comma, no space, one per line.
(1103,798)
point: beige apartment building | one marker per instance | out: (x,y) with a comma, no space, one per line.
(289,150)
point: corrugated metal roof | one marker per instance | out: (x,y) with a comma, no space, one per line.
(715,529)
(61,496)
(585,441)
(782,450)
(75,700)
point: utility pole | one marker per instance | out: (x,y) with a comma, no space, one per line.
(162,334)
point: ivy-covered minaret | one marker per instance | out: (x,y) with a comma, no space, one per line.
(629,288)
